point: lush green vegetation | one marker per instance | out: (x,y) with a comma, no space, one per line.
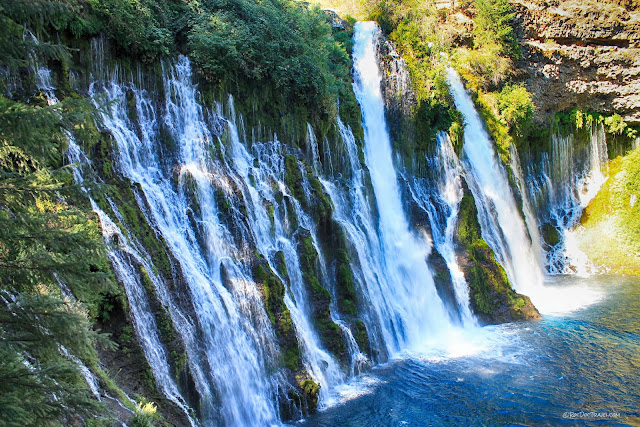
(280,53)
(490,292)
(47,242)
(488,63)
(610,235)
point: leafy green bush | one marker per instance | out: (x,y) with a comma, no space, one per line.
(516,107)
(484,68)
(281,42)
(493,26)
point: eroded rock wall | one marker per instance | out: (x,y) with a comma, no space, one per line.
(581,54)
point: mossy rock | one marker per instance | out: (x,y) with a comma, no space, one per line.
(550,234)
(319,298)
(491,296)
(310,389)
(273,291)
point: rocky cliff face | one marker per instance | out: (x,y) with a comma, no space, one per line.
(397,91)
(583,54)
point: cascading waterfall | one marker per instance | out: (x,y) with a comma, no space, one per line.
(409,307)
(273,234)
(442,205)
(561,186)
(527,209)
(77,158)
(352,209)
(236,342)
(501,222)
(512,239)
(124,260)
(125,257)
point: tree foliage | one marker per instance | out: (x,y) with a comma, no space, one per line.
(48,240)
(516,107)
(494,26)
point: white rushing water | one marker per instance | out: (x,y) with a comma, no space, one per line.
(502,225)
(442,205)
(124,260)
(236,343)
(218,199)
(260,182)
(561,186)
(412,312)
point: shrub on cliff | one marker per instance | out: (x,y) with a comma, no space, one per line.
(516,107)
(493,26)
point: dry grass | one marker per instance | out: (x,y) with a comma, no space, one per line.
(355,8)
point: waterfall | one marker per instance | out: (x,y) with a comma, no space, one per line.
(501,222)
(126,255)
(260,180)
(407,302)
(124,260)
(235,344)
(441,202)
(561,185)
(353,211)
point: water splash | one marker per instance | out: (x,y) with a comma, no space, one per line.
(412,313)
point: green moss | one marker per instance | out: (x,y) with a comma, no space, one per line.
(222,201)
(273,290)
(346,288)
(278,313)
(292,358)
(286,324)
(270,212)
(610,235)
(320,298)
(361,335)
(293,178)
(107,169)
(468,231)
(550,234)
(281,264)
(323,209)
(292,216)
(490,292)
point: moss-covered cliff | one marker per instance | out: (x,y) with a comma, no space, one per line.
(490,293)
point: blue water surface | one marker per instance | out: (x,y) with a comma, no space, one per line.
(578,368)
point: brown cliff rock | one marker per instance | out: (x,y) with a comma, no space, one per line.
(581,54)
